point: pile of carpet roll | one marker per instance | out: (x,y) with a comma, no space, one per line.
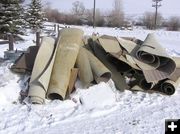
(131,63)
(145,64)
(59,62)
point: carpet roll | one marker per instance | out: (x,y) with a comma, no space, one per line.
(100,72)
(169,86)
(110,44)
(85,72)
(100,53)
(152,58)
(176,74)
(67,52)
(41,71)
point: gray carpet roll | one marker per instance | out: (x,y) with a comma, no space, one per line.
(169,87)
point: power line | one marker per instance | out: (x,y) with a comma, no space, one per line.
(156,4)
(94,13)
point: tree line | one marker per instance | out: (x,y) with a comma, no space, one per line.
(15,17)
(172,23)
(79,15)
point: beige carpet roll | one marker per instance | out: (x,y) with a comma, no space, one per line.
(85,72)
(130,60)
(176,74)
(177,61)
(67,51)
(110,44)
(100,53)
(128,45)
(168,86)
(153,60)
(72,81)
(41,71)
(100,71)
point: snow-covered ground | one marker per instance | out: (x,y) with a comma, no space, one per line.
(101,109)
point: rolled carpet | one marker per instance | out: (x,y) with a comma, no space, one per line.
(176,74)
(85,72)
(100,71)
(152,58)
(110,44)
(41,71)
(116,54)
(169,87)
(127,45)
(100,53)
(66,55)
(72,81)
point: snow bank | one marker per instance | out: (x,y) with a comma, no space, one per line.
(98,96)
(9,86)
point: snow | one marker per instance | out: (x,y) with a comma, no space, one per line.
(20,45)
(96,110)
(104,96)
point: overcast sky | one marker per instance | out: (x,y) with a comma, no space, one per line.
(168,8)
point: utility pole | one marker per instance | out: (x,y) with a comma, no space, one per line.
(156,4)
(94,14)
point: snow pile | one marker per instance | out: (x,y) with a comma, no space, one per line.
(9,86)
(98,96)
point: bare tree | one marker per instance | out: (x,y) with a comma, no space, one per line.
(78,8)
(99,17)
(78,11)
(174,23)
(149,19)
(89,16)
(116,17)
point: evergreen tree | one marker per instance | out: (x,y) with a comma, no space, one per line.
(35,16)
(10,16)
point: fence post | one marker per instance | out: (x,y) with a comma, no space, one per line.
(58,27)
(37,38)
(11,40)
(55,28)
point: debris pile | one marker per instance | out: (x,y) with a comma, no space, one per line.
(131,63)
(146,64)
